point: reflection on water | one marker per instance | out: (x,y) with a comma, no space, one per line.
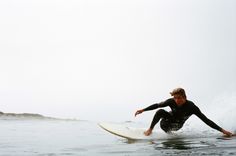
(182,144)
(176,144)
(197,146)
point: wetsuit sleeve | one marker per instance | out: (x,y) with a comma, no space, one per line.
(210,123)
(157,105)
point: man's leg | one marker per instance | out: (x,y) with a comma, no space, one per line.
(159,114)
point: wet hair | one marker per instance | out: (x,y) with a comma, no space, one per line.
(178,91)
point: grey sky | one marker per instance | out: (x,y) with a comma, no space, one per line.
(103,59)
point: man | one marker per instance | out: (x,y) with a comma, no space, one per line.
(181,110)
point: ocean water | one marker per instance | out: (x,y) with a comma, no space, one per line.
(26,137)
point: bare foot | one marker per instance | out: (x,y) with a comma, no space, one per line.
(148,132)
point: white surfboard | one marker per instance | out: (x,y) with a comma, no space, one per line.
(128,132)
(132,133)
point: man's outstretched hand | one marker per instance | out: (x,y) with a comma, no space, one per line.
(138,112)
(227,133)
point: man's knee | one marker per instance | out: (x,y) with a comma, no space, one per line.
(161,112)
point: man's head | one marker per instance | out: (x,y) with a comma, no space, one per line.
(179,96)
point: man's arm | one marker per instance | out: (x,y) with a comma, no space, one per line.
(159,105)
(211,123)
(207,121)
(153,106)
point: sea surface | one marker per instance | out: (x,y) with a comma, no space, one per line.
(26,137)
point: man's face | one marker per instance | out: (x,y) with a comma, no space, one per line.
(179,99)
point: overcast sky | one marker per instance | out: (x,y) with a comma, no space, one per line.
(103,59)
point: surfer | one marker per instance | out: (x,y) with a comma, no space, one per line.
(181,110)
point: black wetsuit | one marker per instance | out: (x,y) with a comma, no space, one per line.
(174,120)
